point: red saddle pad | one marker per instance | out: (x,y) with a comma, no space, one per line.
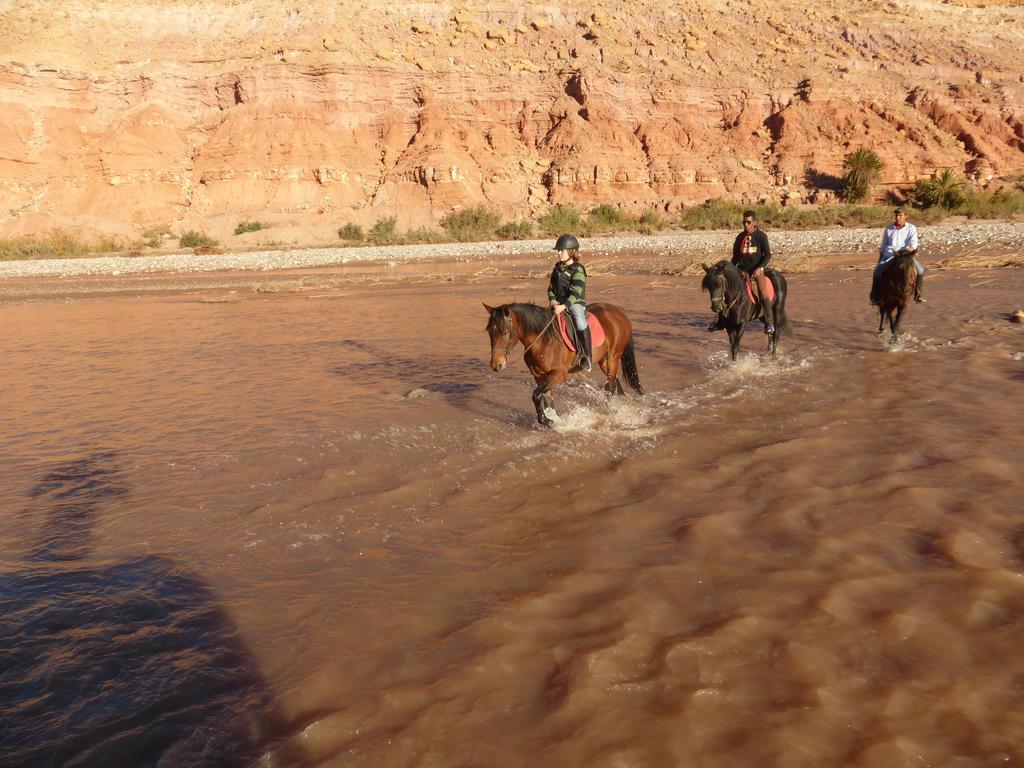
(596,331)
(750,289)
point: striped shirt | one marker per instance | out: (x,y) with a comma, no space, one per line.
(568,284)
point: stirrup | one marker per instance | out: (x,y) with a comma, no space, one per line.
(769,328)
(920,299)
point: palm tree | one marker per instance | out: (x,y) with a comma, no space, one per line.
(862,170)
(945,190)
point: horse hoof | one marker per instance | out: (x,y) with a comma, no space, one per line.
(546,422)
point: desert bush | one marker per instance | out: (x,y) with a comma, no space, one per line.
(193,239)
(249,226)
(945,190)
(1000,203)
(515,230)
(651,221)
(469,224)
(107,245)
(56,245)
(383,230)
(561,219)
(154,236)
(424,235)
(843,215)
(713,214)
(607,217)
(352,232)
(863,168)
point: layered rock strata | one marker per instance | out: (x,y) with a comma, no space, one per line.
(118,116)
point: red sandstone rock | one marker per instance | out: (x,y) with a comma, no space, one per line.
(118,116)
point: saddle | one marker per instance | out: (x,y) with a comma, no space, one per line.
(752,294)
(596,332)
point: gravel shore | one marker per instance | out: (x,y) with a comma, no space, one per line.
(936,240)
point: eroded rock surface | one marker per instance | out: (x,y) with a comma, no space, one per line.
(117,116)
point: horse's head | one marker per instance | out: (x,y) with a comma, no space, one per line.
(502,334)
(715,283)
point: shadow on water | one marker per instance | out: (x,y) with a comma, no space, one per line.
(130,663)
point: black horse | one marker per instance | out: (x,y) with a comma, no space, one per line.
(729,299)
(896,285)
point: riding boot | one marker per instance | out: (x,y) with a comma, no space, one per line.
(585,351)
(766,308)
(918,286)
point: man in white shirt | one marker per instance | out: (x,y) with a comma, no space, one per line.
(899,237)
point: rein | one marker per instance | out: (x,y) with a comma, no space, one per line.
(725,291)
(512,338)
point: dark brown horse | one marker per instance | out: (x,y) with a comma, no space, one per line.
(547,356)
(896,287)
(724,283)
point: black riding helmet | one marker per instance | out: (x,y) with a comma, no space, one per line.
(566,242)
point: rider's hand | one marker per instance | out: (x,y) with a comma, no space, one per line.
(559,308)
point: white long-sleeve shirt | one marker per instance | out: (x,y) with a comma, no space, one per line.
(895,239)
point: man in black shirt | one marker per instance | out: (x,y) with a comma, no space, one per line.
(751,254)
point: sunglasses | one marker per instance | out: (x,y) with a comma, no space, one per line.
(748,221)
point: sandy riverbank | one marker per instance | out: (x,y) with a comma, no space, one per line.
(792,248)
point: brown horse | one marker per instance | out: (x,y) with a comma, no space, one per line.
(895,288)
(546,354)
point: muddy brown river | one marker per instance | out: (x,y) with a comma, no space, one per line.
(307,525)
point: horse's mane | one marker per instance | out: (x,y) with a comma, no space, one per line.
(732,276)
(534,319)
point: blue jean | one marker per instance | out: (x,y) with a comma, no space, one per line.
(882,265)
(579,315)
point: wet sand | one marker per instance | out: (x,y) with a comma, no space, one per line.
(814,560)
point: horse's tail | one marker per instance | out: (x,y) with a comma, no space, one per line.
(629,366)
(782,324)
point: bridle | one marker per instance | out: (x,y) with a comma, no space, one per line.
(512,339)
(723,284)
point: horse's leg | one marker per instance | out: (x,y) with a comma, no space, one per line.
(610,366)
(881,318)
(734,338)
(540,402)
(896,322)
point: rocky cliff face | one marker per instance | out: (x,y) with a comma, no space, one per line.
(118,115)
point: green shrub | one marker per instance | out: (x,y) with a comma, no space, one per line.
(56,245)
(993,205)
(945,190)
(863,167)
(713,214)
(469,224)
(606,217)
(515,230)
(154,236)
(107,245)
(650,221)
(249,226)
(561,219)
(351,232)
(424,235)
(383,230)
(193,239)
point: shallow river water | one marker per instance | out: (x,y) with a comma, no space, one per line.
(309,526)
